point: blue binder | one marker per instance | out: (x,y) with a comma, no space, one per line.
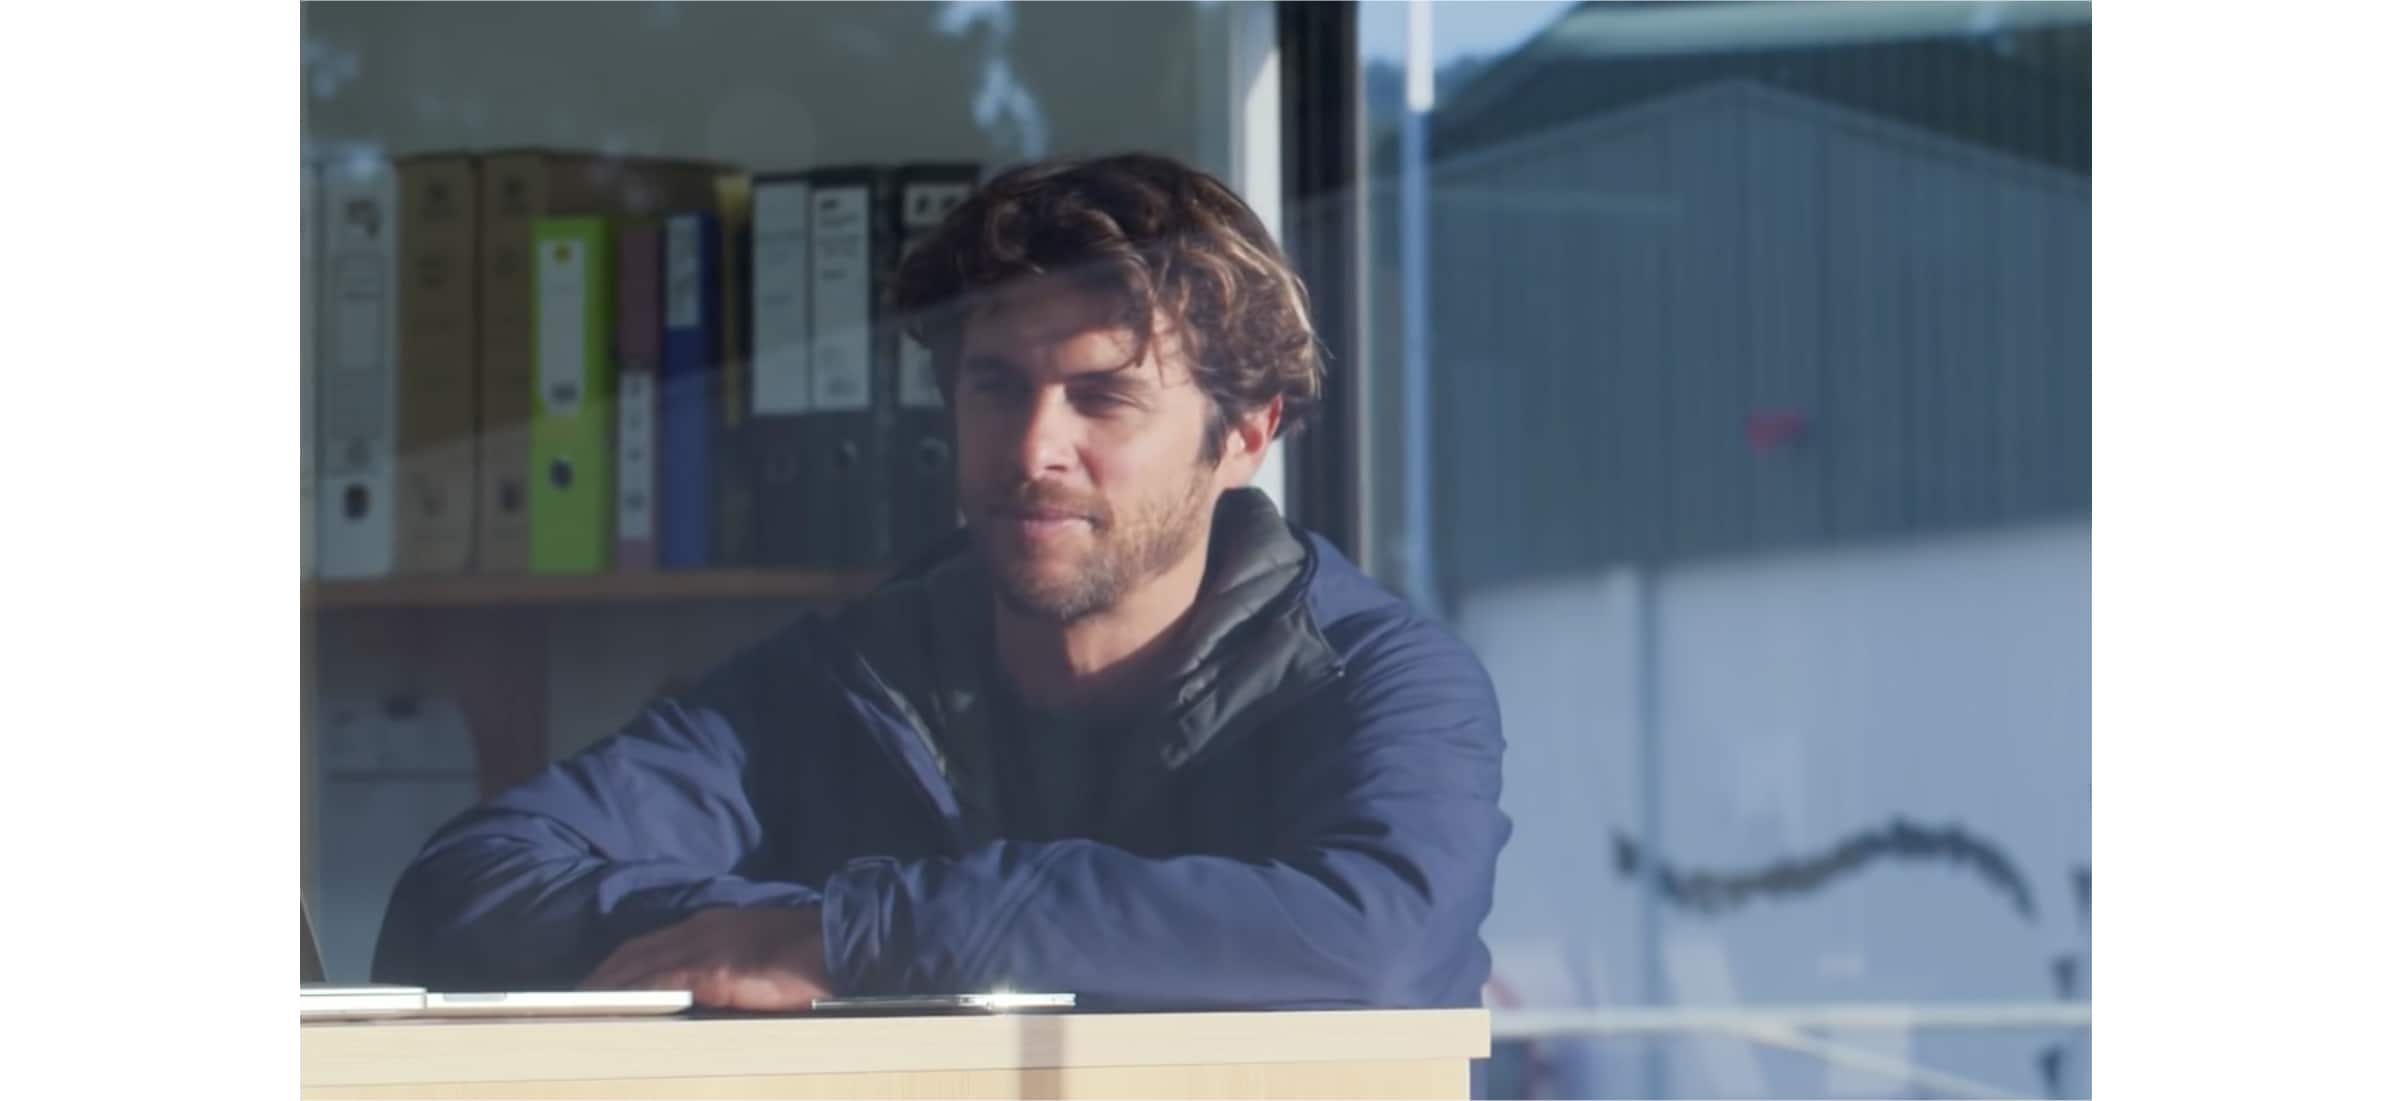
(691,398)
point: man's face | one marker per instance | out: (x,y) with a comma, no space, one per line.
(1081,473)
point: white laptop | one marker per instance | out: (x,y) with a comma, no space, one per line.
(326,1001)
(323,1001)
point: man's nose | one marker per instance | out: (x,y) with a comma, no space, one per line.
(1049,440)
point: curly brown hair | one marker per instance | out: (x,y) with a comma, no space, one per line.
(1167,241)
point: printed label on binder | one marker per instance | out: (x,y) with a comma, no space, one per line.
(635,514)
(842,300)
(563,344)
(782,383)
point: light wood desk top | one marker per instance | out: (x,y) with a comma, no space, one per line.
(1409,1053)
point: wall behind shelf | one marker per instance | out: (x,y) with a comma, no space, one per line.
(604,662)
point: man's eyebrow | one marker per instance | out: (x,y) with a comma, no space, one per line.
(1123,378)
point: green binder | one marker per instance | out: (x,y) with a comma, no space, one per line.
(573,419)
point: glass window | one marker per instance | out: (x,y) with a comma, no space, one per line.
(534,503)
(1728,389)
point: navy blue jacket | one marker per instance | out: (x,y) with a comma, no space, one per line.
(1309,819)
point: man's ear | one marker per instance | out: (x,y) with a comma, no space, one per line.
(1248,438)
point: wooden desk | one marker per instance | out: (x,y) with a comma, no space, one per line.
(1411,1053)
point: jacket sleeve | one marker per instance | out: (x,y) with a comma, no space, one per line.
(1372,895)
(534,888)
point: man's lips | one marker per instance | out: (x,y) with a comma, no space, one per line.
(1040,521)
(1047,515)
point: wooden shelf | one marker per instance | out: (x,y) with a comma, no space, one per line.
(496,591)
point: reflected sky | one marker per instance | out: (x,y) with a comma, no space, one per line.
(1002,107)
(1460,28)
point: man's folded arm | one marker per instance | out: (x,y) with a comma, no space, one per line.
(532,889)
(1372,895)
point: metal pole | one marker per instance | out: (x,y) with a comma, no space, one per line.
(1420,96)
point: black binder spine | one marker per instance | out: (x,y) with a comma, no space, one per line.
(851,408)
(775,441)
(921,460)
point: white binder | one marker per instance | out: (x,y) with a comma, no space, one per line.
(783,386)
(358,364)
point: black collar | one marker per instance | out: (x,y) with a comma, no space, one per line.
(1250,649)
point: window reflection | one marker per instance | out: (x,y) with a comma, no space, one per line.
(408,665)
(1747,349)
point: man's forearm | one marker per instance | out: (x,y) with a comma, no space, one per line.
(493,911)
(1125,932)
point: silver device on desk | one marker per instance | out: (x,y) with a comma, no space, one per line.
(326,1001)
(997,1002)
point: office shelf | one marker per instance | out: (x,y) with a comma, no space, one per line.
(526,591)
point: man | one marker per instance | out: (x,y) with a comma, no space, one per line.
(1127,735)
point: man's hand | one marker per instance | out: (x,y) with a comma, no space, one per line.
(764,960)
